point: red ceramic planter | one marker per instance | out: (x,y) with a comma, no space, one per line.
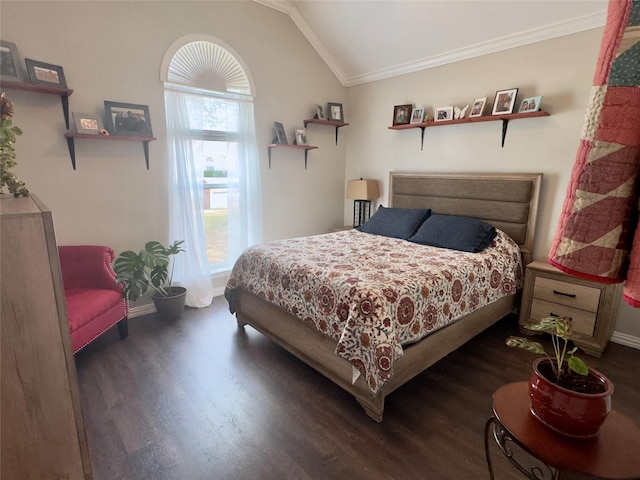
(567,412)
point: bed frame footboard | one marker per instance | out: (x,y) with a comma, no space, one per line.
(318,350)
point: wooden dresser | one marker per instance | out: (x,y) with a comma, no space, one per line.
(42,430)
(591,306)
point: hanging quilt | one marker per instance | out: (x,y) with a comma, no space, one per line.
(597,235)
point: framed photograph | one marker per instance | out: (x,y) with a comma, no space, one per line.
(478,107)
(320,112)
(10,64)
(301,136)
(442,114)
(281,137)
(417,115)
(45,73)
(335,112)
(402,114)
(127,119)
(504,102)
(87,123)
(531,104)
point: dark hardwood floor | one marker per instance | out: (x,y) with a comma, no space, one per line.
(199,398)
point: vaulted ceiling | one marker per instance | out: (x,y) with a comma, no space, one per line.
(367,40)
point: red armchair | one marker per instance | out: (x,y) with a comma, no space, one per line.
(94,300)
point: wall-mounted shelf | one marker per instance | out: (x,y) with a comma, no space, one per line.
(333,123)
(37,88)
(306,149)
(71,136)
(486,118)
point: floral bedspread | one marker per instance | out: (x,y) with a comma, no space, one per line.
(374,294)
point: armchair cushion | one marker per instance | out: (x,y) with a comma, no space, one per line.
(94,300)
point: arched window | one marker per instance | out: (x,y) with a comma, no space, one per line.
(214,190)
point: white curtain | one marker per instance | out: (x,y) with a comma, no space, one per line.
(187,180)
(185,204)
(245,209)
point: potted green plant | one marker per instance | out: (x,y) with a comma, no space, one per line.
(566,394)
(152,268)
(8,134)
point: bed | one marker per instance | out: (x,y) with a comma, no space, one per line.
(507,201)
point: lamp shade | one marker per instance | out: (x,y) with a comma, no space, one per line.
(362,189)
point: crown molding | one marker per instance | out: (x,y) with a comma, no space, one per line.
(507,42)
(576,25)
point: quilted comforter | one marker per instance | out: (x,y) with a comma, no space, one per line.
(375,294)
(598,236)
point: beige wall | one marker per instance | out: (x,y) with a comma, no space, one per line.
(561,70)
(113,51)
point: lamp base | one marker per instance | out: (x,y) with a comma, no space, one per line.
(361,212)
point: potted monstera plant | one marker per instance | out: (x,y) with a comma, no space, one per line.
(152,268)
(566,394)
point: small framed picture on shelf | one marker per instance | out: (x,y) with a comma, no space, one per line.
(45,73)
(301,136)
(127,119)
(281,136)
(10,62)
(417,115)
(336,112)
(504,102)
(531,104)
(320,115)
(87,123)
(402,114)
(442,114)
(477,107)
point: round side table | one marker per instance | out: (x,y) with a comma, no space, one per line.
(613,454)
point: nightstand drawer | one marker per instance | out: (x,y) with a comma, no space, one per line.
(583,322)
(565,293)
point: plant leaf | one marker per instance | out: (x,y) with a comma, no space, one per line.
(577,365)
(525,344)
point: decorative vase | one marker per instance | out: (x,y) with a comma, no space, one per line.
(568,412)
(170,307)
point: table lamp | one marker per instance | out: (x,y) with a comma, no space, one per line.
(362,191)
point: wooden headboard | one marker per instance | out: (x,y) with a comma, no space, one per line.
(508,201)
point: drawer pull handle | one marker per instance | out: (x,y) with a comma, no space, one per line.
(570,295)
(551,314)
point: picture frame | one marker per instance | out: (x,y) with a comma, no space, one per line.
(127,119)
(335,112)
(43,73)
(504,102)
(10,63)
(320,115)
(417,115)
(281,136)
(402,114)
(87,123)
(301,136)
(443,114)
(530,104)
(477,107)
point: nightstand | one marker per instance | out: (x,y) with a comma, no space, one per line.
(592,306)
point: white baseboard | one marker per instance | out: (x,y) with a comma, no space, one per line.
(627,340)
(150,307)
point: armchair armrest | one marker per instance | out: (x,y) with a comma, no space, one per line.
(87,266)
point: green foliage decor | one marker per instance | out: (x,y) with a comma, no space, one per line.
(560,330)
(147,268)
(8,134)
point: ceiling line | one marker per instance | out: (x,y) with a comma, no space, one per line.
(555,30)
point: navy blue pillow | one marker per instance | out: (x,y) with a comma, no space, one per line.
(455,232)
(395,222)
